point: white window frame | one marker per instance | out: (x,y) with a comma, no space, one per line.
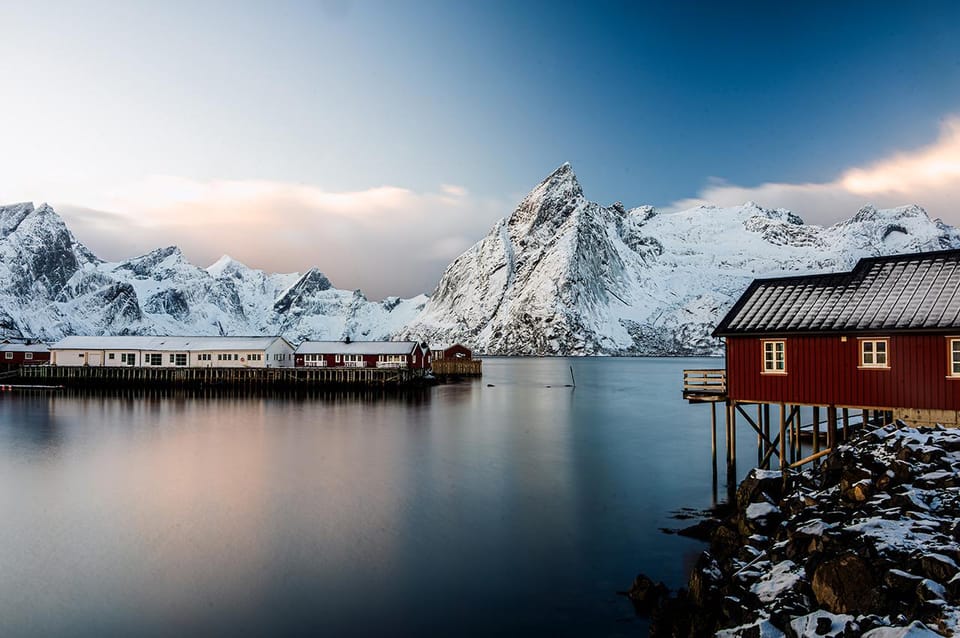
(8,355)
(874,353)
(768,365)
(953,357)
(28,356)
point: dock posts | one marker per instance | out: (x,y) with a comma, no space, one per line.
(846,424)
(766,432)
(816,429)
(783,440)
(713,435)
(831,427)
(759,435)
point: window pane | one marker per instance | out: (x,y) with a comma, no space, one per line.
(881,358)
(867,347)
(881,347)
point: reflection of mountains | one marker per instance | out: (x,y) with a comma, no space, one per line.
(408,396)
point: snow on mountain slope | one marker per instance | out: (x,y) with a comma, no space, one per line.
(566,275)
(560,275)
(52,286)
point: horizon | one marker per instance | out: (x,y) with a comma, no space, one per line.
(302,134)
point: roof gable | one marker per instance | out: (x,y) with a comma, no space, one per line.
(919,291)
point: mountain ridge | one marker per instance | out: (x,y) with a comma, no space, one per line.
(560,275)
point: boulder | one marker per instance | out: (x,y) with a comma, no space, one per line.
(847,584)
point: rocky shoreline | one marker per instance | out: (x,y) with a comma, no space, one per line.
(867,544)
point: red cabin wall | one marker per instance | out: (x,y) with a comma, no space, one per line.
(822,370)
(418,361)
(458,349)
(39,358)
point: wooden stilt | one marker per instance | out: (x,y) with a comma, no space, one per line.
(713,434)
(816,429)
(831,427)
(783,439)
(846,424)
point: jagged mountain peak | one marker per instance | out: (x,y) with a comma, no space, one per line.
(549,203)
(227,266)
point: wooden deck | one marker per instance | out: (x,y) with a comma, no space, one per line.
(703,386)
(196,378)
(457,367)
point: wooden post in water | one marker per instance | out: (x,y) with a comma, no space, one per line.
(831,426)
(713,434)
(816,429)
(573,378)
(846,424)
(766,432)
(783,440)
(759,435)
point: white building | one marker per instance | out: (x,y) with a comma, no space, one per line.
(173,352)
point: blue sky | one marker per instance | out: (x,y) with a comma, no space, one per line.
(243,126)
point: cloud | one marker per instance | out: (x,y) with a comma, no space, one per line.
(386,240)
(928,176)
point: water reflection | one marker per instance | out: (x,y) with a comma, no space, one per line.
(467,509)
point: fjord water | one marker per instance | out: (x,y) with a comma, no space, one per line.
(464,509)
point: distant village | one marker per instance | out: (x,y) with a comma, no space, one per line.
(234,353)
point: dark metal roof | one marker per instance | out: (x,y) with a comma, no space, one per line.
(920,291)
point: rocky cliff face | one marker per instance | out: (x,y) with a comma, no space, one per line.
(566,275)
(560,275)
(52,286)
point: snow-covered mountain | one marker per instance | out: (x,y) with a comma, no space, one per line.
(566,275)
(51,285)
(560,275)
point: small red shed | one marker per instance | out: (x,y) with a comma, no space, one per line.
(884,336)
(362,354)
(451,351)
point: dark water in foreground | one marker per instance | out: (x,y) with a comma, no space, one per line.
(466,510)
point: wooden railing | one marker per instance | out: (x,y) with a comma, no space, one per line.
(704,382)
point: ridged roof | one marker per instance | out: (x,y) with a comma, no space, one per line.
(919,291)
(180,344)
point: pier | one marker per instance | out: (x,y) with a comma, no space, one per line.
(198,378)
(783,437)
(457,367)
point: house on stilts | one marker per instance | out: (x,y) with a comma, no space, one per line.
(879,342)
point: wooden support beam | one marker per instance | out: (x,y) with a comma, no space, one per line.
(831,426)
(783,438)
(846,424)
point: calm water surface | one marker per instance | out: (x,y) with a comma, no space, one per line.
(466,510)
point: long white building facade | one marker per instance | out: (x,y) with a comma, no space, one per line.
(173,352)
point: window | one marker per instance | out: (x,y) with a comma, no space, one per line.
(8,355)
(180,359)
(955,357)
(28,355)
(337,359)
(236,357)
(155,359)
(774,357)
(874,353)
(110,356)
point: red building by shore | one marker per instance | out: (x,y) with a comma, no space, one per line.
(884,336)
(362,354)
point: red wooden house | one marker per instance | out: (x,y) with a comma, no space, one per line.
(23,354)
(362,354)
(451,351)
(884,336)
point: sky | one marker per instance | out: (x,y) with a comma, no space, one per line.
(377,140)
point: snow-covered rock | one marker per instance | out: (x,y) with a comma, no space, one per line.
(560,275)
(564,275)
(51,286)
